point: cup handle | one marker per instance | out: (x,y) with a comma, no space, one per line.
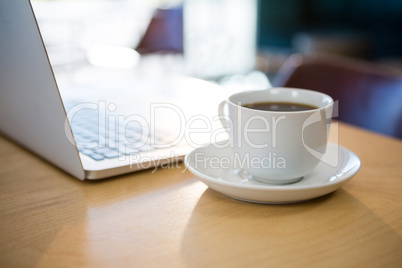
(223,116)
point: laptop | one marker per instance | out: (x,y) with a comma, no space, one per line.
(112,125)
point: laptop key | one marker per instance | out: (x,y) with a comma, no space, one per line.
(112,154)
(103,151)
(85,151)
(96,157)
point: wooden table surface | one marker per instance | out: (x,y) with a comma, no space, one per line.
(170,219)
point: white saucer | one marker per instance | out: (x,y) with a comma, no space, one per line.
(214,166)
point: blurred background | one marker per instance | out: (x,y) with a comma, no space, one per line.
(221,37)
(214,39)
(242,44)
(365,29)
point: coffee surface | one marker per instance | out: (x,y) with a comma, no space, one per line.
(280,106)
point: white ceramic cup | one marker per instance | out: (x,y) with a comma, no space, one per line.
(277,147)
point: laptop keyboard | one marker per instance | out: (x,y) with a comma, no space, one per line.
(105,139)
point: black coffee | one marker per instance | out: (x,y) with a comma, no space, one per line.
(280,106)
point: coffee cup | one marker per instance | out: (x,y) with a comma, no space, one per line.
(278,135)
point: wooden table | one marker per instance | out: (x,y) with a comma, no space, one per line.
(170,219)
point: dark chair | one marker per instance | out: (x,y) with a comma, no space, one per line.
(369,95)
(164,32)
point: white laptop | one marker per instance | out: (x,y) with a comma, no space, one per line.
(115,126)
